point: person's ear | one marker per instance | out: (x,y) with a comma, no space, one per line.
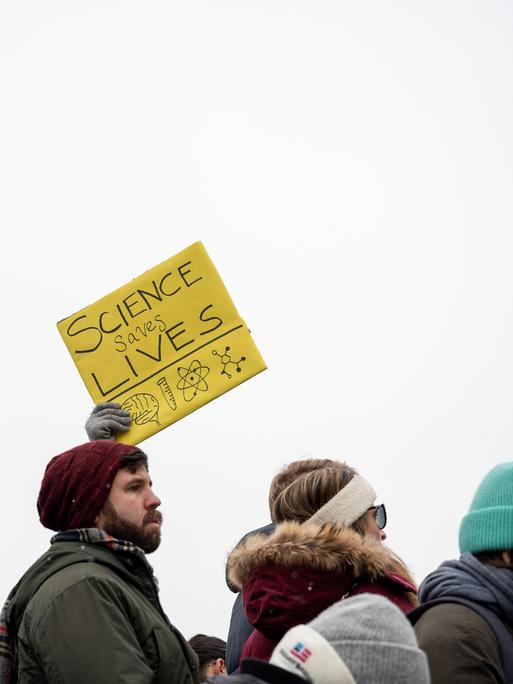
(220,666)
(506,557)
(99,520)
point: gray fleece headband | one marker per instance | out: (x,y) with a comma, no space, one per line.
(349,504)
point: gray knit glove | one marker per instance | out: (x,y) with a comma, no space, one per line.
(106,420)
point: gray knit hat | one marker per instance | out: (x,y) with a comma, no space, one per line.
(373,640)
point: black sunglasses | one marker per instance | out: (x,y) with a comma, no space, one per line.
(380,513)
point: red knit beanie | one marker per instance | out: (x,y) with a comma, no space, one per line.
(77,483)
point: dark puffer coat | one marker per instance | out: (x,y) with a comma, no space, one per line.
(301,569)
(240,629)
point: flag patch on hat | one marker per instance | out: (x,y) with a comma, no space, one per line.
(301,652)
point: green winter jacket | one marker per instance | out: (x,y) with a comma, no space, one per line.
(96,620)
(460,646)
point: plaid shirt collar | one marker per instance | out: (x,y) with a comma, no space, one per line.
(92,535)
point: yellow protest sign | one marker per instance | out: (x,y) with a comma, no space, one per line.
(164,344)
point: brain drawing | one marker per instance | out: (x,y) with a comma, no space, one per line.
(143,408)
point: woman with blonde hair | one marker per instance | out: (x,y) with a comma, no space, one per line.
(327,545)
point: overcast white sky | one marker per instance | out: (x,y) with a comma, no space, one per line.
(348,167)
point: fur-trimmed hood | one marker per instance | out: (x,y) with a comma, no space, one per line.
(329,548)
(289,577)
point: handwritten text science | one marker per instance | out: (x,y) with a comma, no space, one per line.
(164,344)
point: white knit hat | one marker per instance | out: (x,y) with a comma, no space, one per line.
(365,639)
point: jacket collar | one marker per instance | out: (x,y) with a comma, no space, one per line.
(327,548)
(99,539)
(474,580)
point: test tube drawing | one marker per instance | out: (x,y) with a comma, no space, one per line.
(166,391)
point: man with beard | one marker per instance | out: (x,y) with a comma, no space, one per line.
(88,610)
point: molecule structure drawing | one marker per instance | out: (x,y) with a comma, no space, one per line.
(226,360)
(192,380)
(167,392)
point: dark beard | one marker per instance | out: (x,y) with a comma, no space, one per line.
(147,540)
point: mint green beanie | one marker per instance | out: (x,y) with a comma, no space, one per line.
(488,526)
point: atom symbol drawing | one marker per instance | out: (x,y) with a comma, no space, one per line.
(192,380)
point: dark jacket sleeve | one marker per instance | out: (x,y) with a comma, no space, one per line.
(240,629)
(238,634)
(85,636)
(460,646)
